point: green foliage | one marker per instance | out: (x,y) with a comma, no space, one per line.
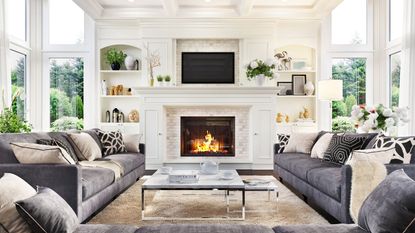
(10,122)
(395,96)
(339,108)
(77,106)
(18,105)
(60,104)
(167,78)
(350,101)
(67,123)
(160,78)
(342,124)
(115,56)
(258,67)
(68,77)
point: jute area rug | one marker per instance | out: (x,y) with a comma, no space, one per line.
(287,209)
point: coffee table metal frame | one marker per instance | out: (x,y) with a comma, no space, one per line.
(194,187)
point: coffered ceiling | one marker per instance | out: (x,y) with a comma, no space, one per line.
(136,9)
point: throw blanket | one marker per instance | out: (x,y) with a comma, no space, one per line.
(114,166)
(367,172)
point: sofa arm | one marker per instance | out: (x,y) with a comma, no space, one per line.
(408,168)
(346,185)
(277,147)
(63,179)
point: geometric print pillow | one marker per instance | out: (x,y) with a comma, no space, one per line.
(403,147)
(112,142)
(341,147)
(283,141)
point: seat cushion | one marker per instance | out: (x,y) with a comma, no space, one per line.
(337,228)
(95,180)
(98,228)
(129,161)
(204,228)
(327,180)
(301,164)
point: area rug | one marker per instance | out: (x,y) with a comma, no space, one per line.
(287,209)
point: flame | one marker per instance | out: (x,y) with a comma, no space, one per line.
(209,144)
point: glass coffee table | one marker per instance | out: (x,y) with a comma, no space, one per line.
(160,181)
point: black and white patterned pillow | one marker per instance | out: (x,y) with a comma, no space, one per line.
(403,147)
(341,146)
(282,141)
(57,142)
(111,141)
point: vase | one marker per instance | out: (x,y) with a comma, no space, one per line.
(151,82)
(309,88)
(130,63)
(115,66)
(260,80)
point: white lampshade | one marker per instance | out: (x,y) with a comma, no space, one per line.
(330,89)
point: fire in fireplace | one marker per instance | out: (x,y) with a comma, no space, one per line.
(207,136)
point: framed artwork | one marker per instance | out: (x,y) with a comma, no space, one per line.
(286,88)
(298,82)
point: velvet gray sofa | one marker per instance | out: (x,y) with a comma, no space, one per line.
(325,184)
(85,189)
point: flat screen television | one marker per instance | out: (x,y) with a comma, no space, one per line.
(208,68)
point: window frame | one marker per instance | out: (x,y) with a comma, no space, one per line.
(355,47)
(395,42)
(17,41)
(26,79)
(389,67)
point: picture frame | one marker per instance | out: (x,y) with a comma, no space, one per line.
(298,64)
(286,88)
(298,82)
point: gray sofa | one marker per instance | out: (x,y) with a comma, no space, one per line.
(325,184)
(85,189)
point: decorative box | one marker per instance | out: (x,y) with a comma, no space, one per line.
(183,177)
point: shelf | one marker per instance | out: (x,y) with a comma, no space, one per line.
(295,71)
(121,71)
(296,96)
(120,96)
(117,124)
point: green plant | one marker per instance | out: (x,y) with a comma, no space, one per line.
(167,78)
(339,108)
(350,102)
(160,78)
(115,56)
(67,123)
(10,122)
(342,124)
(257,67)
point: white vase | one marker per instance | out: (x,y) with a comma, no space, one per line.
(309,88)
(129,63)
(260,80)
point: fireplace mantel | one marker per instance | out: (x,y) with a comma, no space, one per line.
(205,89)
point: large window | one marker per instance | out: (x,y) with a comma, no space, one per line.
(16,19)
(348,23)
(18,81)
(66,23)
(66,93)
(395,19)
(353,73)
(395,76)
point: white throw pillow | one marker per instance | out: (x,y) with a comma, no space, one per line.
(13,189)
(85,146)
(301,142)
(132,142)
(321,146)
(380,155)
(30,153)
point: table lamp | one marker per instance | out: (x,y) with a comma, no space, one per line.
(330,90)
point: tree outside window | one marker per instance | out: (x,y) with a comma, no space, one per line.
(395,76)
(18,81)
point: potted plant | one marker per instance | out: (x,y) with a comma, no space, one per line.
(10,122)
(160,80)
(115,58)
(258,70)
(167,80)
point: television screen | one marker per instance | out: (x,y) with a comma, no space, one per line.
(208,68)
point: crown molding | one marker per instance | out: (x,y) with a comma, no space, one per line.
(91,7)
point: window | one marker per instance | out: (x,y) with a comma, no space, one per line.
(395,19)
(66,23)
(16,18)
(66,93)
(353,73)
(348,23)
(394,76)
(18,81)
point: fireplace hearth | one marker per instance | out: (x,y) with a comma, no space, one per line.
(207,136)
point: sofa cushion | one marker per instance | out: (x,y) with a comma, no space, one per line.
(129,161)
(98,228)
(336,228)
(341,146)
(327,180)
(6,152)
(95,180)
(301,164)
(205,228)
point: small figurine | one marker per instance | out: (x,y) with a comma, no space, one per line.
(279,117)
(129,91)
(134,116)
(301,115)
(287,119)
(306,113)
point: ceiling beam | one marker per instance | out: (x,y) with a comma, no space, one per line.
(90,7)
(171,7)
(245,7)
